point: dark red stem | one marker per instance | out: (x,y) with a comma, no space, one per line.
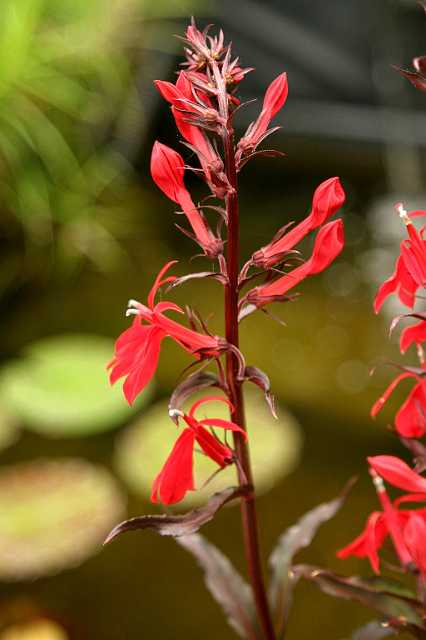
(248,504)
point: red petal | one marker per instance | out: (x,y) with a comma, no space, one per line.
(205,399)
(223,424)
(368,542)
(415,538)
(167,170)
(410,421)
(144,365)
(398,473)
(215,450)
(158,282)
(416,333)
(176,476)
(378,405)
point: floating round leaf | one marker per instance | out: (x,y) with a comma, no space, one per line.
(53,515)
(36,630)
(274,447)
(61,388)
(9,432)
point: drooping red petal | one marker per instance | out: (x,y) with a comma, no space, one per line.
(416,333)
(176,477)
(368,542)
(410,420)
(415,540)
(144,365)
(378,405)
(398,473)
(167,170)
(401,283)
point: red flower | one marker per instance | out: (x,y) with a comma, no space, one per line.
(328,244)
(177,477)
(410,420)
(167,170)
(410,269)
(138,348)
(407,528)
(274,100)
(328,198)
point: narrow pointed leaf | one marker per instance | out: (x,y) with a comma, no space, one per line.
(195,382)
(225,584)
(198,276)
(374,630)
(180,525)
(402,612)
(259,377)
(295,538)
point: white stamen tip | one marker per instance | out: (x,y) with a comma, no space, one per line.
(133,303)
(175,413)
(378,483)
(402,212)
(132,312)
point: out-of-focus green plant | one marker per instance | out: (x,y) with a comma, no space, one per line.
(66,70)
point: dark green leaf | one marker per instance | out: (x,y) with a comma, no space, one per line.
(182,525)
(297,537)
(374,630)
(400,611)
(225,584)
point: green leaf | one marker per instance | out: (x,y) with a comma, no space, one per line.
(53,515)
(60,387)
(225,584)
(295,538)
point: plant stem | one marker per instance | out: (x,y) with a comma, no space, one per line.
(248,504)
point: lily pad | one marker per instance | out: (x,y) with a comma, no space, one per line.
(36,630)
(9,431)
(274,447)
(53,515)
(60,387)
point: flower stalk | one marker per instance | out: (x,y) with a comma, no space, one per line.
(248,503)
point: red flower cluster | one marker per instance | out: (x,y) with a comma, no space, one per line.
(203,103)
(177,477)
(408,277)
(405,527)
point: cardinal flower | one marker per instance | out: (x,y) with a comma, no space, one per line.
(406,528)
(137,350)
(410,268)
(274,100)
(177,475)
(167,170)
(328,198)
(328,244)
(410,420)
